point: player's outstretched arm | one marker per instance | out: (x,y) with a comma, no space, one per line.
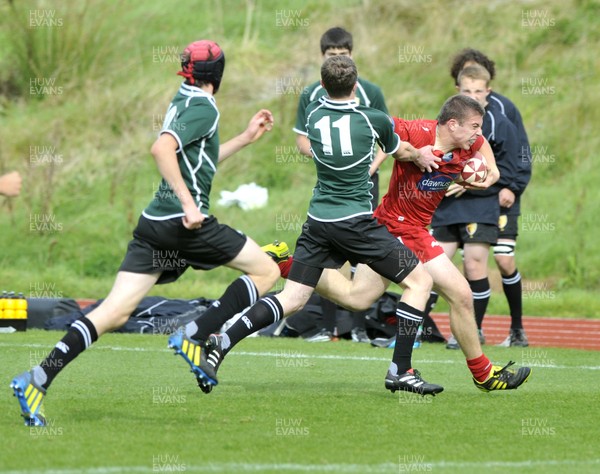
(261,122)
(423,157)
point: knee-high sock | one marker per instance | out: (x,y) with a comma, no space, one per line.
(481,297)
(513,290)
(266,311)
(78,338)
(358,319)
(431,302)
(409,319)
(238,296)
(329,315)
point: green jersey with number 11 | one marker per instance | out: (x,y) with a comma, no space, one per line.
(343,137)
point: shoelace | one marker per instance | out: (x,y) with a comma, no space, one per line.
(417,375)
(503,372)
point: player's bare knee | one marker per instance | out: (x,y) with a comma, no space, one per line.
(506,265)
(459,294)
(272,272)
(424,280)
(418,281)
(266,279)
(475,269)
(462,307)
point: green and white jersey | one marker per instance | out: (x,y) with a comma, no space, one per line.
(192,119)
(367,94)
(343,137)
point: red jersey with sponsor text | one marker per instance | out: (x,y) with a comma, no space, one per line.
(414,195)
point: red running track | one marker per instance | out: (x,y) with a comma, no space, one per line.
(542,332)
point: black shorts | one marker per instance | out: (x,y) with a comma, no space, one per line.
(359,239)
(168,247)
(508,225)
(466,233)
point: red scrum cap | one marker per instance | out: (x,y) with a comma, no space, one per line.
(203,61)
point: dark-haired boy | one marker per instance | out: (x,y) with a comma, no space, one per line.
(337,41)
(175,231)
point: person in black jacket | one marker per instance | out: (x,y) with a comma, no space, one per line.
(509,197)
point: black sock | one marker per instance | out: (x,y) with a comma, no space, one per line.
(409,320)
(329,315)
(239,295)
(481,297)
(81,335)
(266,311)
(358,320)
(431,302)
(513,290)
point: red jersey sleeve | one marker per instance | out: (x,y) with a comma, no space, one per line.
(416,132)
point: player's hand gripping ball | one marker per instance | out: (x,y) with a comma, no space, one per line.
(474,171)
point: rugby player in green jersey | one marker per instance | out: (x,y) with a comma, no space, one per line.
(337,41)
(175,231)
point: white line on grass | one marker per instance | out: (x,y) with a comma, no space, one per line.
(287,354)
(341,468)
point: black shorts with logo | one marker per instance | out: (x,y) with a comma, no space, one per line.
(168,247)
(466,233)
(508,225)
(359,239)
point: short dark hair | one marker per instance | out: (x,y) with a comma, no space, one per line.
(336,38)
(339,75)
(459,107)
(470,54)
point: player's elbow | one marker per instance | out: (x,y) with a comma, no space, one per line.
(165,144)
(303,144)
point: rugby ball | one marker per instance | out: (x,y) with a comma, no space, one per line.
(474,171)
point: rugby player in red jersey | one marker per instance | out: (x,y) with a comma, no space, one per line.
(406,210)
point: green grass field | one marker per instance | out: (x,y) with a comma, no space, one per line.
(284,405)
(128,405)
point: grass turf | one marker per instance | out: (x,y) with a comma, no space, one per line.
(284,405)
